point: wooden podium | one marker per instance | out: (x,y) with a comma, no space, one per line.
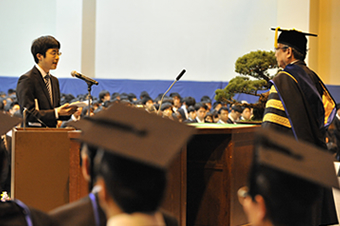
(41,167)
(203,179)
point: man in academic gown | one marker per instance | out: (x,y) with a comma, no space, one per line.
(299,104)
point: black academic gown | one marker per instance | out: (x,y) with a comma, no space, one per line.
(84,211)
(299,104)
(11,214)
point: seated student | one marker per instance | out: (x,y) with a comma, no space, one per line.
(15,212)
(128,175)
(177,100)
(148,104)
(286,181)
(191,115)
(246,113)
(235,114)
(201,111)
(104,95)
(209,118)
(223,115)
(166,110)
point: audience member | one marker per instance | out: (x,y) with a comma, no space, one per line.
(201,111)
(246,114)
(191,114)
(223,114)
(104,95)
(148,104)
(177,101)
(282,187)
(235,114)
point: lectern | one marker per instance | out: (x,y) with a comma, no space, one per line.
(40,167)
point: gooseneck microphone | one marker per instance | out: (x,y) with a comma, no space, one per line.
(177,78)
(30,112)
(83,77)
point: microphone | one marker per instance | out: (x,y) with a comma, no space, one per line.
(38,119)
(83,77)
(177,78)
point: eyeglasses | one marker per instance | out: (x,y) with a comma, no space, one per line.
(242,193)
(283,48)
(55,53)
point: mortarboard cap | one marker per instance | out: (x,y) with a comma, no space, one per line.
(300,159)
(293,38)
(135,134)
(7,122)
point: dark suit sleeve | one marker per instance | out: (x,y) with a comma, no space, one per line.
(29,89)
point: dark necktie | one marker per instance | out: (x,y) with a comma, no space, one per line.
(48,86)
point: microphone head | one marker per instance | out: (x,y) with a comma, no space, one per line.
(180,75)
(73,73)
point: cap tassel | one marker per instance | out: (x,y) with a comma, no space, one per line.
(276,33)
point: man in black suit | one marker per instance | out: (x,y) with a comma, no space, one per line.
(38,91)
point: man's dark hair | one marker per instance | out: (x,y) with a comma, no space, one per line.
(200,105)
(42,44)
(298,55)
(189,101)
(289,200)
(134,186)
(102,94)
(222,108)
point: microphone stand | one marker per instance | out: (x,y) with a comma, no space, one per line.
(176,80)
(89,87)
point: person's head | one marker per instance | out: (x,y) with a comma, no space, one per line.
(177,100)
(282,188)
(166,109)
(189,101)
(201,111)
(134,186)
(45,51)
(14,107)
(143,94)
(223,114)
(131,181)
(279,198)
(246,113)
(115,96)
(236,111)
(291,45)
(209,118)
(104,95)
(148,104)
(192,112)
(338,109)
(217,105)
(88,153)
(207,101)
(215,116)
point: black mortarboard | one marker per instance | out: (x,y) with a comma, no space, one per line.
(7,123)
(293,38)
(282,152)
(135,134)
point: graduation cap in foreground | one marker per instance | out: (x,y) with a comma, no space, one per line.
(135,134)
(7,122)
(284,153)
(293,38)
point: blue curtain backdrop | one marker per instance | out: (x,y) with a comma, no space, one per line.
(153,87)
